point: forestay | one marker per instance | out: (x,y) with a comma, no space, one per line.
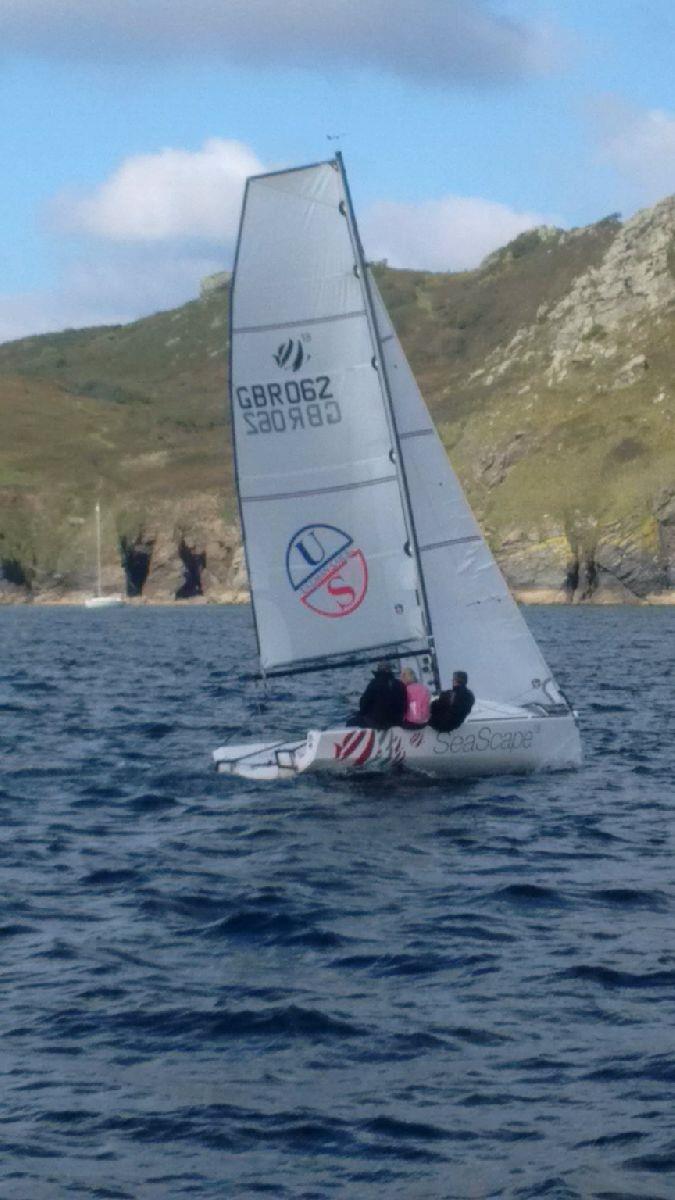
(476,624)
(323,510)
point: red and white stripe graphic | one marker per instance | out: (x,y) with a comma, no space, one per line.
(356,747)
(397,752)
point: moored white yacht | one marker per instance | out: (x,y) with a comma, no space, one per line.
(111,599)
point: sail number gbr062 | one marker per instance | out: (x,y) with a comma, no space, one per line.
(285,407)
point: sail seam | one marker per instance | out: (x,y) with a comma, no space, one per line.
(475,537)
(348,316)
(340,487)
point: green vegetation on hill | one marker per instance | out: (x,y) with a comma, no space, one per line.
(137,414)
(133,414)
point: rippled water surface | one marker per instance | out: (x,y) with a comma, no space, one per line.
(363,988)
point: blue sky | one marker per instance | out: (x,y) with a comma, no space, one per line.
(129,126)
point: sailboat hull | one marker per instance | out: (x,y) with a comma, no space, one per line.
(112,601)
(497,741)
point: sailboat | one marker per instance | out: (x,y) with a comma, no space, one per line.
(360,544)
(113,599)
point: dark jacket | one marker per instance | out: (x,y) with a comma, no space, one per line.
(451,708)
(383,702)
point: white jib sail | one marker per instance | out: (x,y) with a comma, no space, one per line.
(476,623)
(324,520)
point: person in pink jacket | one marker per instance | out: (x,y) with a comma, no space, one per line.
(418,700)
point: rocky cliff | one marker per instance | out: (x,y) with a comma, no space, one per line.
(591,381)
(548,371)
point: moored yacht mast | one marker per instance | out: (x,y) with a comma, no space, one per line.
(98,548)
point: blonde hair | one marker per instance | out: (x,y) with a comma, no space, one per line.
(408,675)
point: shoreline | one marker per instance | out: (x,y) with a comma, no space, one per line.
(78,600)
(528,597)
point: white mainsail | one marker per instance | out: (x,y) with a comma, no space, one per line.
(329,546)
(476,624)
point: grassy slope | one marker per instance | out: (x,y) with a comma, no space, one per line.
(134,413)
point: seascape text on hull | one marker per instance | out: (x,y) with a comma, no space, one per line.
(359,541)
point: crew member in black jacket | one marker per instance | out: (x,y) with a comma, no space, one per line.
(384,701)
(451,708)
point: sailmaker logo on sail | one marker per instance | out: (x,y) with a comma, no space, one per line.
(292,354)
(327,571)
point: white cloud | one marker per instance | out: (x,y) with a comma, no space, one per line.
(430,40)
(169,195)
(639,144)
(143,239)
(451,234)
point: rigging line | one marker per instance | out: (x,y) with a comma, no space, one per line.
(475,537)
(339,487)
(348,316)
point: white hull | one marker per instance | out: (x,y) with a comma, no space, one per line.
(495,740)
(113,601)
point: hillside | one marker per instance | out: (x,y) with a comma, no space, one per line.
(548,371)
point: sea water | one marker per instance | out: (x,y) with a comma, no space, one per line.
(359,988)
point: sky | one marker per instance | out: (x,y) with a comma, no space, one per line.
(129,127)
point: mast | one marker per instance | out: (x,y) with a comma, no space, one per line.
(98,548)
(380,366)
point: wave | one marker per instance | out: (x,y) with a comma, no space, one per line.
(166,1026)
(610,978)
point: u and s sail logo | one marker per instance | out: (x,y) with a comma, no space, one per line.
(326,570)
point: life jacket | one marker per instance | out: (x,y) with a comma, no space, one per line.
(418,704)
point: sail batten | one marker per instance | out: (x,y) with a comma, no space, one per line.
(337,487)
(301,323)
(459,541)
